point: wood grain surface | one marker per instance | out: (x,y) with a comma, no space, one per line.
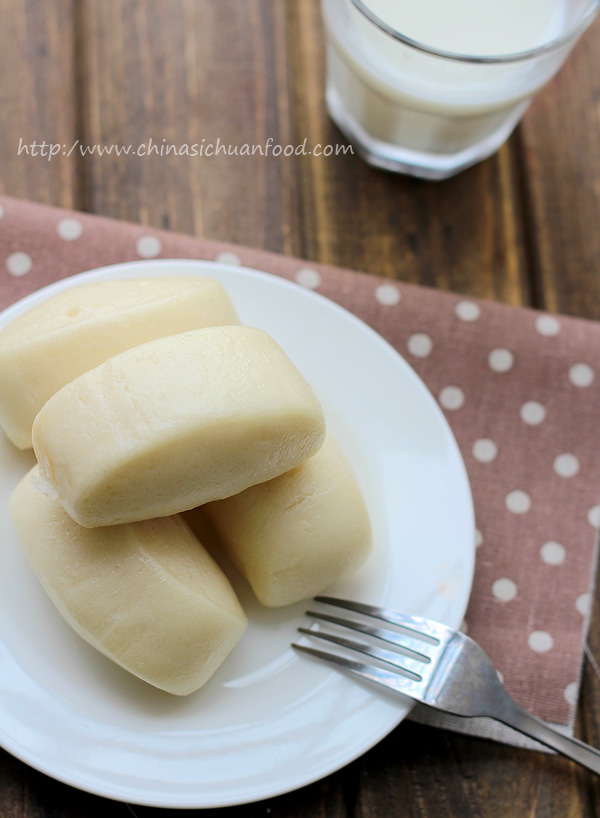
(522,227)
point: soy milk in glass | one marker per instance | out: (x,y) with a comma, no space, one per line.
(429,87)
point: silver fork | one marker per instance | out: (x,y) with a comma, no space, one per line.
(437,666)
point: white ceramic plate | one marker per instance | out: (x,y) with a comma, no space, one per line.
(270,720)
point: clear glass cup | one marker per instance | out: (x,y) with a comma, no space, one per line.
(415,109)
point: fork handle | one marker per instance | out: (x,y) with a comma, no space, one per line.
(572,748)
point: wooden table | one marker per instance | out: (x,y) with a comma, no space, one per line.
(522,227)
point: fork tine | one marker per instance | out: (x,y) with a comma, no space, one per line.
(382,677)
(409,666)
(415,648)
(422,628)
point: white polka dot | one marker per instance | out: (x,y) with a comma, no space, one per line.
(583,604)
(547,325)
(566,465)
(553,553)
(452,398)
(467,310)
(484,450)
(594,517)
(571,693)
(478,538)
(504,589)
(532,413)
(519,502)
(18,264)
(420,345)
(500,677)
(308,277)
(148,246)
(501,360)
(581,375)
(227,257)
(387,294)
(540,641)
(69,229)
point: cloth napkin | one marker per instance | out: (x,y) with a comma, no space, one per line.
(520,389)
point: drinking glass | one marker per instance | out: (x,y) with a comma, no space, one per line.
(410,107)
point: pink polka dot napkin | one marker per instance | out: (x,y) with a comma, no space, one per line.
(520,389)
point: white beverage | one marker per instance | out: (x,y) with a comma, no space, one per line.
(431,115)
(475,27)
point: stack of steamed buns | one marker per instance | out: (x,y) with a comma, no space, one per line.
(152,413)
